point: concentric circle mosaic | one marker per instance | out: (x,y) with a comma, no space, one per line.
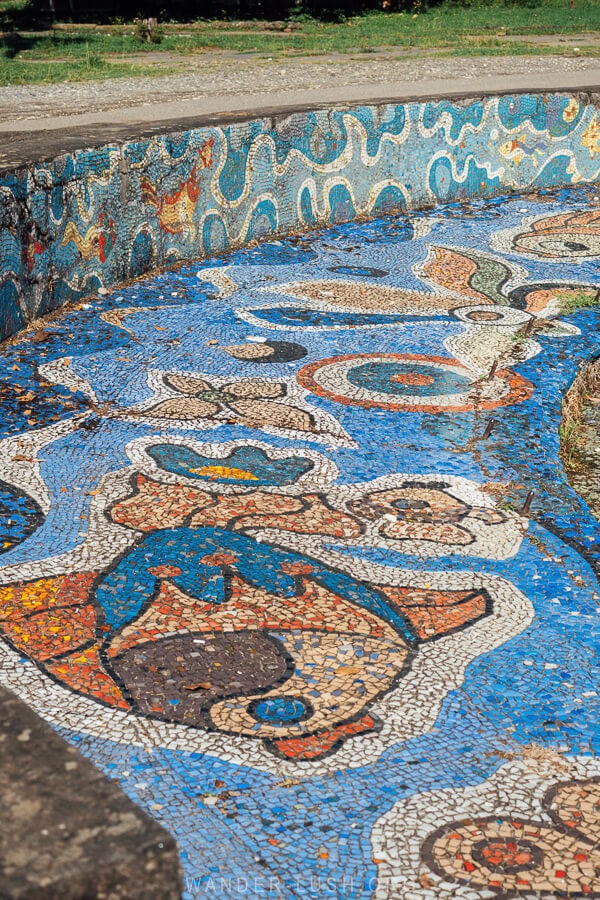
(412,383)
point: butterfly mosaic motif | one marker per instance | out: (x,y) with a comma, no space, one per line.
(207,402)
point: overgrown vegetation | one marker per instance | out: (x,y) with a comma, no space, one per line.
(572,300)
(585,386)
(66,51)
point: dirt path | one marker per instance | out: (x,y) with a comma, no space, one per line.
(226,74)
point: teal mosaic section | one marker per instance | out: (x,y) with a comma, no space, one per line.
(92,219)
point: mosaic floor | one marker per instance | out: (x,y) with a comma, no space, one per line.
(288,551)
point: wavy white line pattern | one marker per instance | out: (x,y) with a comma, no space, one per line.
(146,204)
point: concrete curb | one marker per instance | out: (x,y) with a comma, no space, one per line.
(96,217)
(37,140)
(66,832)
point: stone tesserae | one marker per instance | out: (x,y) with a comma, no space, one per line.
(290,552)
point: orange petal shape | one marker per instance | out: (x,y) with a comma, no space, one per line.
(316,745)
(53,632)
(434,614)
(84,673)
(17,601)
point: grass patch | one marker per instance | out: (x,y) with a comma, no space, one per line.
(19,72)
(586,385)
(73,52)
(574,299)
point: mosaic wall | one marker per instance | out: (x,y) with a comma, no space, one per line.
(270,556)
(90,220)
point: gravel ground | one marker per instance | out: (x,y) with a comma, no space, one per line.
(226,74)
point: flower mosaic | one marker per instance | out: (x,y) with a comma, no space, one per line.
(511,856)
(252,403)
(528,832)
(322,600)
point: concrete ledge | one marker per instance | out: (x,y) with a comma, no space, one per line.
(66,832)
(40,140)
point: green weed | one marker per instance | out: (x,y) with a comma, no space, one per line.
(585,385)
(570,301)
(68,52)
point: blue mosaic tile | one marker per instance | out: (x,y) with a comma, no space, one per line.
(93,218)
(266,558)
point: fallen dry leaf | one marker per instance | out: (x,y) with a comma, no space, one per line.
(199,686)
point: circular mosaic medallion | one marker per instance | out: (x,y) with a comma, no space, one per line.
(507,855)
(410,382)
(492,316)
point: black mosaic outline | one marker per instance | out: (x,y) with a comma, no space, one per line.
(38,516)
